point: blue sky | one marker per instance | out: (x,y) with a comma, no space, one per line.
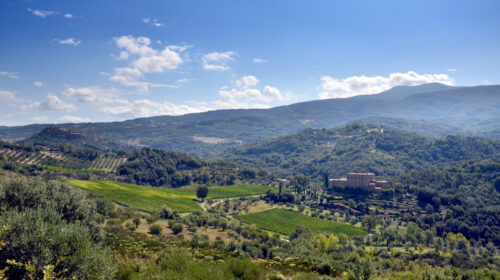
(79,61)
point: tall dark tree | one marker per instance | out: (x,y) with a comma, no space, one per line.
(202,192)
(326,180)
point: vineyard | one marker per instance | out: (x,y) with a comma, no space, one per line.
(285,222)
(152,199)
(57,159)
(107,163)
(22,156)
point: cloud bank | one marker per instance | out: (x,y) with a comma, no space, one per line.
(363,85)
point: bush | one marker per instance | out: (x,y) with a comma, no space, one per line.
(43,237)
(166,213)
(151,219)
(324,269)
(73,204)
(136,221)
(245,269)
(177,228)
(155,229)
(131,226)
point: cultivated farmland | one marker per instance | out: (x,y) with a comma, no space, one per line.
(107,163)
(285,222)
(154,198)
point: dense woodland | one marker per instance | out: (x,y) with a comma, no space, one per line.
(358,148)
(470,193)
(157,167)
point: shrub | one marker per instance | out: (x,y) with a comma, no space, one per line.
(324,269)
(73,204)
(131,226)
(155,229)
(245,269)
(166,213)
(136,221)
(177,228)
(151,219)
(43,237)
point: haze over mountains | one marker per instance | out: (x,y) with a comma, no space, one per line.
(432,110)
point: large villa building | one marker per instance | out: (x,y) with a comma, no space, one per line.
(359,180)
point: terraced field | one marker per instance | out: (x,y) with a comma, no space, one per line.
(285,222)
(21,156)
(107,163)
(153,198)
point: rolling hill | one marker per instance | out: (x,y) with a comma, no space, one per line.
(358,148)
(431,109)
(54,136)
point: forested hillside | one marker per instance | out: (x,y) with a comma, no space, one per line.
(469,190)
(157,167)
(358,148)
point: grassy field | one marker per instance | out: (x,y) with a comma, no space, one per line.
(285,221)
(152,199)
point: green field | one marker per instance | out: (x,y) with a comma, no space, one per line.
(285,221)
(153,198)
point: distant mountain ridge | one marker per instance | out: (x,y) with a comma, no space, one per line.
(432,109)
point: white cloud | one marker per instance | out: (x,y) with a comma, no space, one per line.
(68,15)
(94,95)
(145,60)
(245,95)
(52,103)
(274,93)
(452,69)
(167,60)
(217,61)
(128,76)
(7,95)
(250,81)
(153,22)
(135,46)
(362,85)
(73,119)
(11,75)
(40,119)
(69,41)
(38,84)
(259,60)
(146,108)
(42,13)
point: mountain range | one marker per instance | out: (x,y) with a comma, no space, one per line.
(433,110)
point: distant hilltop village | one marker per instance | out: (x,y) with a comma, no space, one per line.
(359,180)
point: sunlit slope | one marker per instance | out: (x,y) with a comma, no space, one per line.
(285,222)
(153,198)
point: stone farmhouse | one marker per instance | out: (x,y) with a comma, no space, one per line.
(359,180)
